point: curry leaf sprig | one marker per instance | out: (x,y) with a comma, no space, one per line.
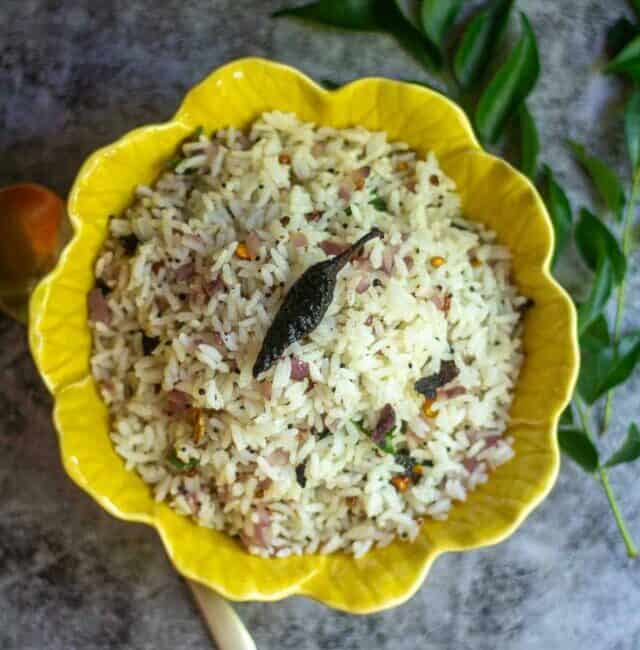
(608,355)
(493,97)
(461,58)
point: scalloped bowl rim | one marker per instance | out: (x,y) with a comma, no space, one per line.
(40,295)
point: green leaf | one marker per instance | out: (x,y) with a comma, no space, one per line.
(604,178)
(387,445)
(414,42)
(594,240)
(480,40)
(348,14)
(629,450)
(510,86)
(577,445)
(410,9)
(619,35)
(632,130)
(358,424)
(606,365)
(597,333)
(627,62)
(437,17)
(195,136)
(179,465)
(599,295)
(566,419)
(378,203)
(529,143)
(369,15)
(560,213)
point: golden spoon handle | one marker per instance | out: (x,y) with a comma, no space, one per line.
(223,623)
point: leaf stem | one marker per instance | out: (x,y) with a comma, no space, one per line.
(632,551)
(584,413)
(622,287)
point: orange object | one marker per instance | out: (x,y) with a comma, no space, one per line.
(475,262)
(428,410)
(32,232)
(30,218)
(418,470)
(400,483)
(242,251)
(284,159)
(437,261)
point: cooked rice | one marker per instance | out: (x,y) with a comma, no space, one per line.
(188,415)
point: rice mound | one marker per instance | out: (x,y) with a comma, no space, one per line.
(189,280)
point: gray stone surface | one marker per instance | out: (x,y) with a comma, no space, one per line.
(74,75)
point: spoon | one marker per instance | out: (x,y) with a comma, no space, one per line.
(33,231)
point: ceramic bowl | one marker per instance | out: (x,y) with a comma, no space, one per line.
(492,193)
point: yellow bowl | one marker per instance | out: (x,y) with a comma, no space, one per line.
(492,193)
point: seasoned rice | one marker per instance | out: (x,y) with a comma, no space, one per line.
(189,280)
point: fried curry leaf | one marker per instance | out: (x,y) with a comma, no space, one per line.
(301,476)
(129,243)
(577,445)
(629,450)
(305,305)
(428,386)
(149,344)
(604,178)
(480,39)
(510,86)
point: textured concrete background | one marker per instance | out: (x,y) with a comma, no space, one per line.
(74,75)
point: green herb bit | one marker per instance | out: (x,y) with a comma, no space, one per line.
(387,441)
(358,425)
(387,445)
(195,136)
(378,203)
(173,163)
(180,465)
